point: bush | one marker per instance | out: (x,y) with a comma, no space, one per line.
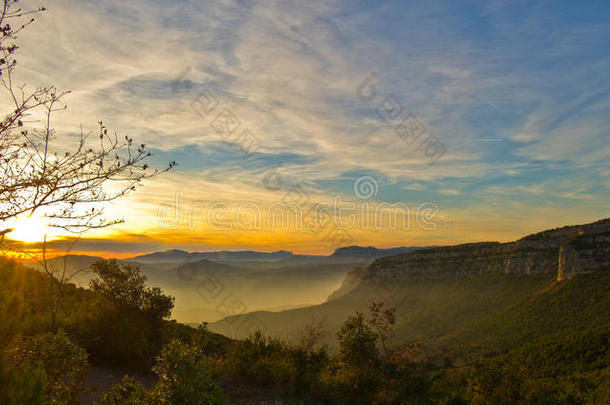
(129,392)
(129,318)
(64,365)
(261,361)
(185,377)
(272,364)
(21,385)
(355,375)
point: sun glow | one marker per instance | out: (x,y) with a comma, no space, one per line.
(32,228)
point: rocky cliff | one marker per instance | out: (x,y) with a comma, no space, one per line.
(352,280)
(563,251)
(370,253)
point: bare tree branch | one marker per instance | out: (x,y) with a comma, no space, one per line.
(69,186)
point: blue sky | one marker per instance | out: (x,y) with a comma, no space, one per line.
(516,91)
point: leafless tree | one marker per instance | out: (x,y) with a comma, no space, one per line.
(68,185)
(312,334)
(60,273)
(382,322)
(37,174)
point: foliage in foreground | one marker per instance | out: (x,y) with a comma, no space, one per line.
(55,368)
(184,378)
(21,385)
(561,365)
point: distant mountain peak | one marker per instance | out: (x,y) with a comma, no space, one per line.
(181,256)
(371,252)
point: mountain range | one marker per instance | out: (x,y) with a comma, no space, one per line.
(453,296)
(283,257)
(441,294)
(258,280)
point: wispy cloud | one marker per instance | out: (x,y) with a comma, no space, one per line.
(504,87)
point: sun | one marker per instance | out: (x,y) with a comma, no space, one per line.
(32,228)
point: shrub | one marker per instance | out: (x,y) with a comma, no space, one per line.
(129,392)
(185,377)
(272,364)
(63,362)
(494,383)
(130,317)
(355,375)
(21,385)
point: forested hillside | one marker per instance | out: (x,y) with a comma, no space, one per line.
(487,340)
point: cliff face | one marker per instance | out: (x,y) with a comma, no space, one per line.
(369,253)
(351,281)
(564,251)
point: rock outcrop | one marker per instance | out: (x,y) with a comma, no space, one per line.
(351,281)
(564,252)
(369,253)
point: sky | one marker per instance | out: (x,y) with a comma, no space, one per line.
(504,109)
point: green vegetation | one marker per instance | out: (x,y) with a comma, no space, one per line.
(24,384)
(271,365)
(98,325)
(543,343)
(129,391)
(63,363)
(184,378)
(130,311)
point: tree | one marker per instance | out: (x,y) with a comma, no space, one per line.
(382,322)
(35,173)
(39,175)
(355,374)
(125,286)
(366,370)
(311,335)
(143,308)
(129,392)
(358,341)
(59,274)
(63,362)
(185,377)
(21,385)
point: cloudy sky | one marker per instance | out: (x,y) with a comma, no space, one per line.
(262,102)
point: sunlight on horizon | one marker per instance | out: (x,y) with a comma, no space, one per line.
(31,228)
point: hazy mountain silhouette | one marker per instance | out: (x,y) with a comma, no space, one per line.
(451,293)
